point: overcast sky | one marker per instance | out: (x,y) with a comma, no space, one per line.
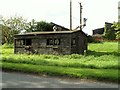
(96,11)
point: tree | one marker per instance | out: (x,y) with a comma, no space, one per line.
(34,26)
(31,27)
(11,26)
(109,32)
(5,31)
(116,26)
(43,26)
(5,34)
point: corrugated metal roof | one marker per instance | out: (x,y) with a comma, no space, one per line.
(51,32)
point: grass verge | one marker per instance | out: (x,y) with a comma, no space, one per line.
(98,74)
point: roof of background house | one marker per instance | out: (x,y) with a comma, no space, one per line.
(59,26)
(108,23)
(98,31)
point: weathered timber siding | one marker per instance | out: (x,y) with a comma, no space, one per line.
(69,43)
(39,45)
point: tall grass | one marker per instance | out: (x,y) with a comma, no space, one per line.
(104,61)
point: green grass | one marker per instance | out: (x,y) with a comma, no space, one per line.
(100,62)
(104,47)
(100,74)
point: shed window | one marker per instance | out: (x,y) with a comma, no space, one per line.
(27,42)
(56,41)
(49,41)
(23,41)
(73,41)
(19,42)
(53,41)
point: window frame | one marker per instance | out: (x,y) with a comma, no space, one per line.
(52,41)
(73,41)
(26,42)
(56,41)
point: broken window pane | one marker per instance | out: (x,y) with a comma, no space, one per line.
(73,41)
(56,41)
(49,41)
(28,42)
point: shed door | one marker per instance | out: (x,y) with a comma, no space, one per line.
(80,45)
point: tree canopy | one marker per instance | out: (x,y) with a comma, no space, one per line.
(12,26)
(109,32)
(17,24)
(44,26)
(116,26)
(39,26)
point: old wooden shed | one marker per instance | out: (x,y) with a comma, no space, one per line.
(54,42)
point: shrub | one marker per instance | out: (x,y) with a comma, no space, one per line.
(92,39)
(7,45)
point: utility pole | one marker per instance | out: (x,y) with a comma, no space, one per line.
(80,16)
(70,14)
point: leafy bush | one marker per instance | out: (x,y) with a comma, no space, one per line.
(73,56)
(92,39)
(7,45)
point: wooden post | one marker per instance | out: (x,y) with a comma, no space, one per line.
(70,15)
(80,16)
